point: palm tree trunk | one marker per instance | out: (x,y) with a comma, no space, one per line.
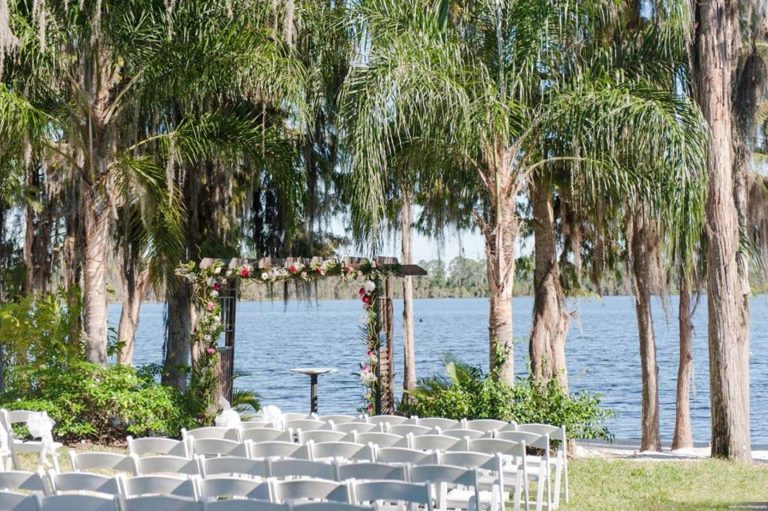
(550,319)
(727,291)
(409,348)
(134,288)
(179,338)
(683,436)
(642,254)
(500,236)
(95,282)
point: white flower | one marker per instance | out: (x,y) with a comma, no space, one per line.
(369,286)
(217,270)
(214,293)
(265,276)
(211,281)
(304,275)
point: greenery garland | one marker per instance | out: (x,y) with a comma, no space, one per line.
(207,284)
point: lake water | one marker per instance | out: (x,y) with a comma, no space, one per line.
(602,352)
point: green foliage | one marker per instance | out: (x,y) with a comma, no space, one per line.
(101,404)
(467,392)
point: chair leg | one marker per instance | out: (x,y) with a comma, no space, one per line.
(55,460)
(15,459)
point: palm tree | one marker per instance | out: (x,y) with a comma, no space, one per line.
(469,77)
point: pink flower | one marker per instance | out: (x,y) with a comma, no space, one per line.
(292,268)
(366,299)
(217,286)
(361,292)
(319,270)
(211,306)
(245,272)
(210,351)
(370,408)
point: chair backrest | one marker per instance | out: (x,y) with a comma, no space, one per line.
(16,501)
(79,502)
(157,445)
(212,432)
(70,482)
(467,459)
(386,419)
(159,485)
(18,480)
(161,503)
(166,464)
(462,433)
(302,468)
(11,417)
(293,416)
(485,424)
(531,439)
(340,450)
(451,474)
(102,461)
(235,466)
(328,506)
(267,435)
(360,427)
(214,488)
(320,435)
(436,422)
(276,449)
(392,491)
(337,419)
(554,432)
(306,424)
(408,429)
(431,442)
(368,470)
(495,445)
(315,489)
(403,455)
(218,447)
(380,439)
(246,505)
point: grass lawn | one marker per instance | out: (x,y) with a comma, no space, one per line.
(665,485)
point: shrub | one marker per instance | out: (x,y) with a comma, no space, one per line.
(101,404)
(467,392)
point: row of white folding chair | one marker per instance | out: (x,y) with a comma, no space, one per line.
(11,445)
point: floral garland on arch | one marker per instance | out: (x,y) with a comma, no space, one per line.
(207,285)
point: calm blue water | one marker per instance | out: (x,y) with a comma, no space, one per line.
(602,352)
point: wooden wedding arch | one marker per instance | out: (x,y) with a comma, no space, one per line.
(216,286)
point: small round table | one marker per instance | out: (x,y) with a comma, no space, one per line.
(313,373)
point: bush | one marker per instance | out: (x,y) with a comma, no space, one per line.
(466,392)
(101,404)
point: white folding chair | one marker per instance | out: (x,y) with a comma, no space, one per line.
(275,449)
(320,435)
(557,434)
(492,493)
(267,435)
(515,468)
(6,456)
(158,485)
(45,447)
(381,420)
(160,503)
(453,487)
(217,488)
(377,492)
(436,422)
(402,455)
(431,442)
(78,502)
(308,489)
(218,447)
(153,446)
(245,505)
(328,506)
(235,466)
(306,424)
(380,439)
(83,482)
(166,464)
(485,425)
(283,469)
(108,461)
(360,427)
(17,501)
(370,470)
(293,416)
(407,429)
(462,433)
(337,419)
(15,480)
(340,451)
(211,432)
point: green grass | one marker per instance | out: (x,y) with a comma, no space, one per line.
(689,485)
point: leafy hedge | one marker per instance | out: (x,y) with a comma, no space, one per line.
(467,392)
(100,404)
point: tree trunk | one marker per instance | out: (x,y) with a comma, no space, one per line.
(179,338)
(134,289)
(727,291)
(642,257)
(500,236)
(683,436)
(95,282)
(550,319)
(409,348)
